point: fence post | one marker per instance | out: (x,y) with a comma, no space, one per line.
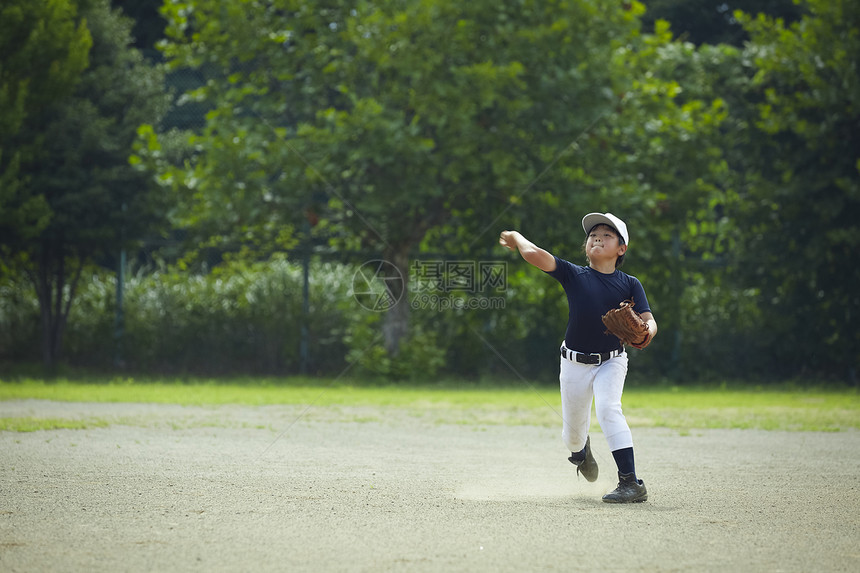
(305,334)
(119,318)
(675,359)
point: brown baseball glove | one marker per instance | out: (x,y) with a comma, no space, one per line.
(627,325)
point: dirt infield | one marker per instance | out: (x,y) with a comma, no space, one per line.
(171,488)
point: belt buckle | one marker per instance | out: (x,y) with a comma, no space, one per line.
(599,358)
(590,359)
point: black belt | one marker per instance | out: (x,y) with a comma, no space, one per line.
(594,358)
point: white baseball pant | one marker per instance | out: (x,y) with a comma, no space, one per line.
(604,383)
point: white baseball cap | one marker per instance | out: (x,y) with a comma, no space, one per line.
(592,219)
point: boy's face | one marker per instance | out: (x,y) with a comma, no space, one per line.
(602,244)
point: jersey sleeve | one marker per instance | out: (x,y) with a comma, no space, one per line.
(562,270)
(637,293)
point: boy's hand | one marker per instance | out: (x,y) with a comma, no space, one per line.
(508,239)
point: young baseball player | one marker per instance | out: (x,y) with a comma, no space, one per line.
(593,363)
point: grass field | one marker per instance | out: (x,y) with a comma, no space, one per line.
(682,409)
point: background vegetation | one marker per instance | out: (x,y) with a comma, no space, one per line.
(192,187)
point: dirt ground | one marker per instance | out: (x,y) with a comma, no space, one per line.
(171,488)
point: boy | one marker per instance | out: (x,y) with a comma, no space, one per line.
(594,364)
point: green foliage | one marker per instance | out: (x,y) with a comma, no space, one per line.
(422,356)
(658,162)
(247,317)
(409,128)
(713,21)
(148,24)
(798,241)
(405,118)
(19,319)
(44,47)
(74,197)
(239,318)
(99,202)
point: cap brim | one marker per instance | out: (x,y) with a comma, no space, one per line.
(593,219)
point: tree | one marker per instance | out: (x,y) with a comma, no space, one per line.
(408,116)
(797,213)
(78,166)
(44,48)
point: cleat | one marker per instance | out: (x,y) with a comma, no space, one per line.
(629,490)
(588,466)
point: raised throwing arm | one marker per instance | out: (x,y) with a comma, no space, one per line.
(534,255)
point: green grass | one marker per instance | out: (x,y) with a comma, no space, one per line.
(801,410)
(681,409)
(32,424)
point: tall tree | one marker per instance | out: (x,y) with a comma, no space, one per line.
(78,167)
(797,213)
(44,46)
(406,115)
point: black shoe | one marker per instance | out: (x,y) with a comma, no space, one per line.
(629,490)
(588,466)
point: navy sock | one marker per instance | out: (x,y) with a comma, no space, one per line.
(578,456)
(624,461)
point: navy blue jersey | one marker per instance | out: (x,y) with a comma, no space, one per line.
(590,295)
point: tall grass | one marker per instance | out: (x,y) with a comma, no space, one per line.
(248,317)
